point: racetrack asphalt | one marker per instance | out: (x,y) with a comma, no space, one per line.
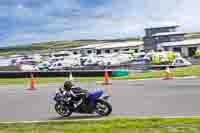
(143,98)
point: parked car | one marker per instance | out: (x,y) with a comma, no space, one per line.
(25,67)
(181,62)
(43,66)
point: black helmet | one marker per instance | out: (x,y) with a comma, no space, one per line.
(68,85)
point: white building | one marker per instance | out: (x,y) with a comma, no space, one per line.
(185,47)
(108,48)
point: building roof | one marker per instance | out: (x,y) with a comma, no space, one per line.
(168,34)
(181,43)
(91,46)
(163,26)
(111,45)
(121,44)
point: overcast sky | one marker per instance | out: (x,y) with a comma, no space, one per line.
(28,21)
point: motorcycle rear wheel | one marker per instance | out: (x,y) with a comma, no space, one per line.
(62,110)
(103,108)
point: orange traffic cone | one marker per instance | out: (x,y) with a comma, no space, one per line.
(168,74)
(106,78)
(33,83)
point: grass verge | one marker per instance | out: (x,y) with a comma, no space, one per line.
(115,125)
(179,72)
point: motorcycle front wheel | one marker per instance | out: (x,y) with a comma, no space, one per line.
(62,110)
(103,108)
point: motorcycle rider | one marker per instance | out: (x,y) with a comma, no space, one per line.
(75,92)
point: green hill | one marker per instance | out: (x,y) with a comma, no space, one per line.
(195,35)
(52,46)
(43,47)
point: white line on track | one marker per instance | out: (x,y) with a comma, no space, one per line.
(99,119)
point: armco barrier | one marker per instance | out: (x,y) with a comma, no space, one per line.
(76,73)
